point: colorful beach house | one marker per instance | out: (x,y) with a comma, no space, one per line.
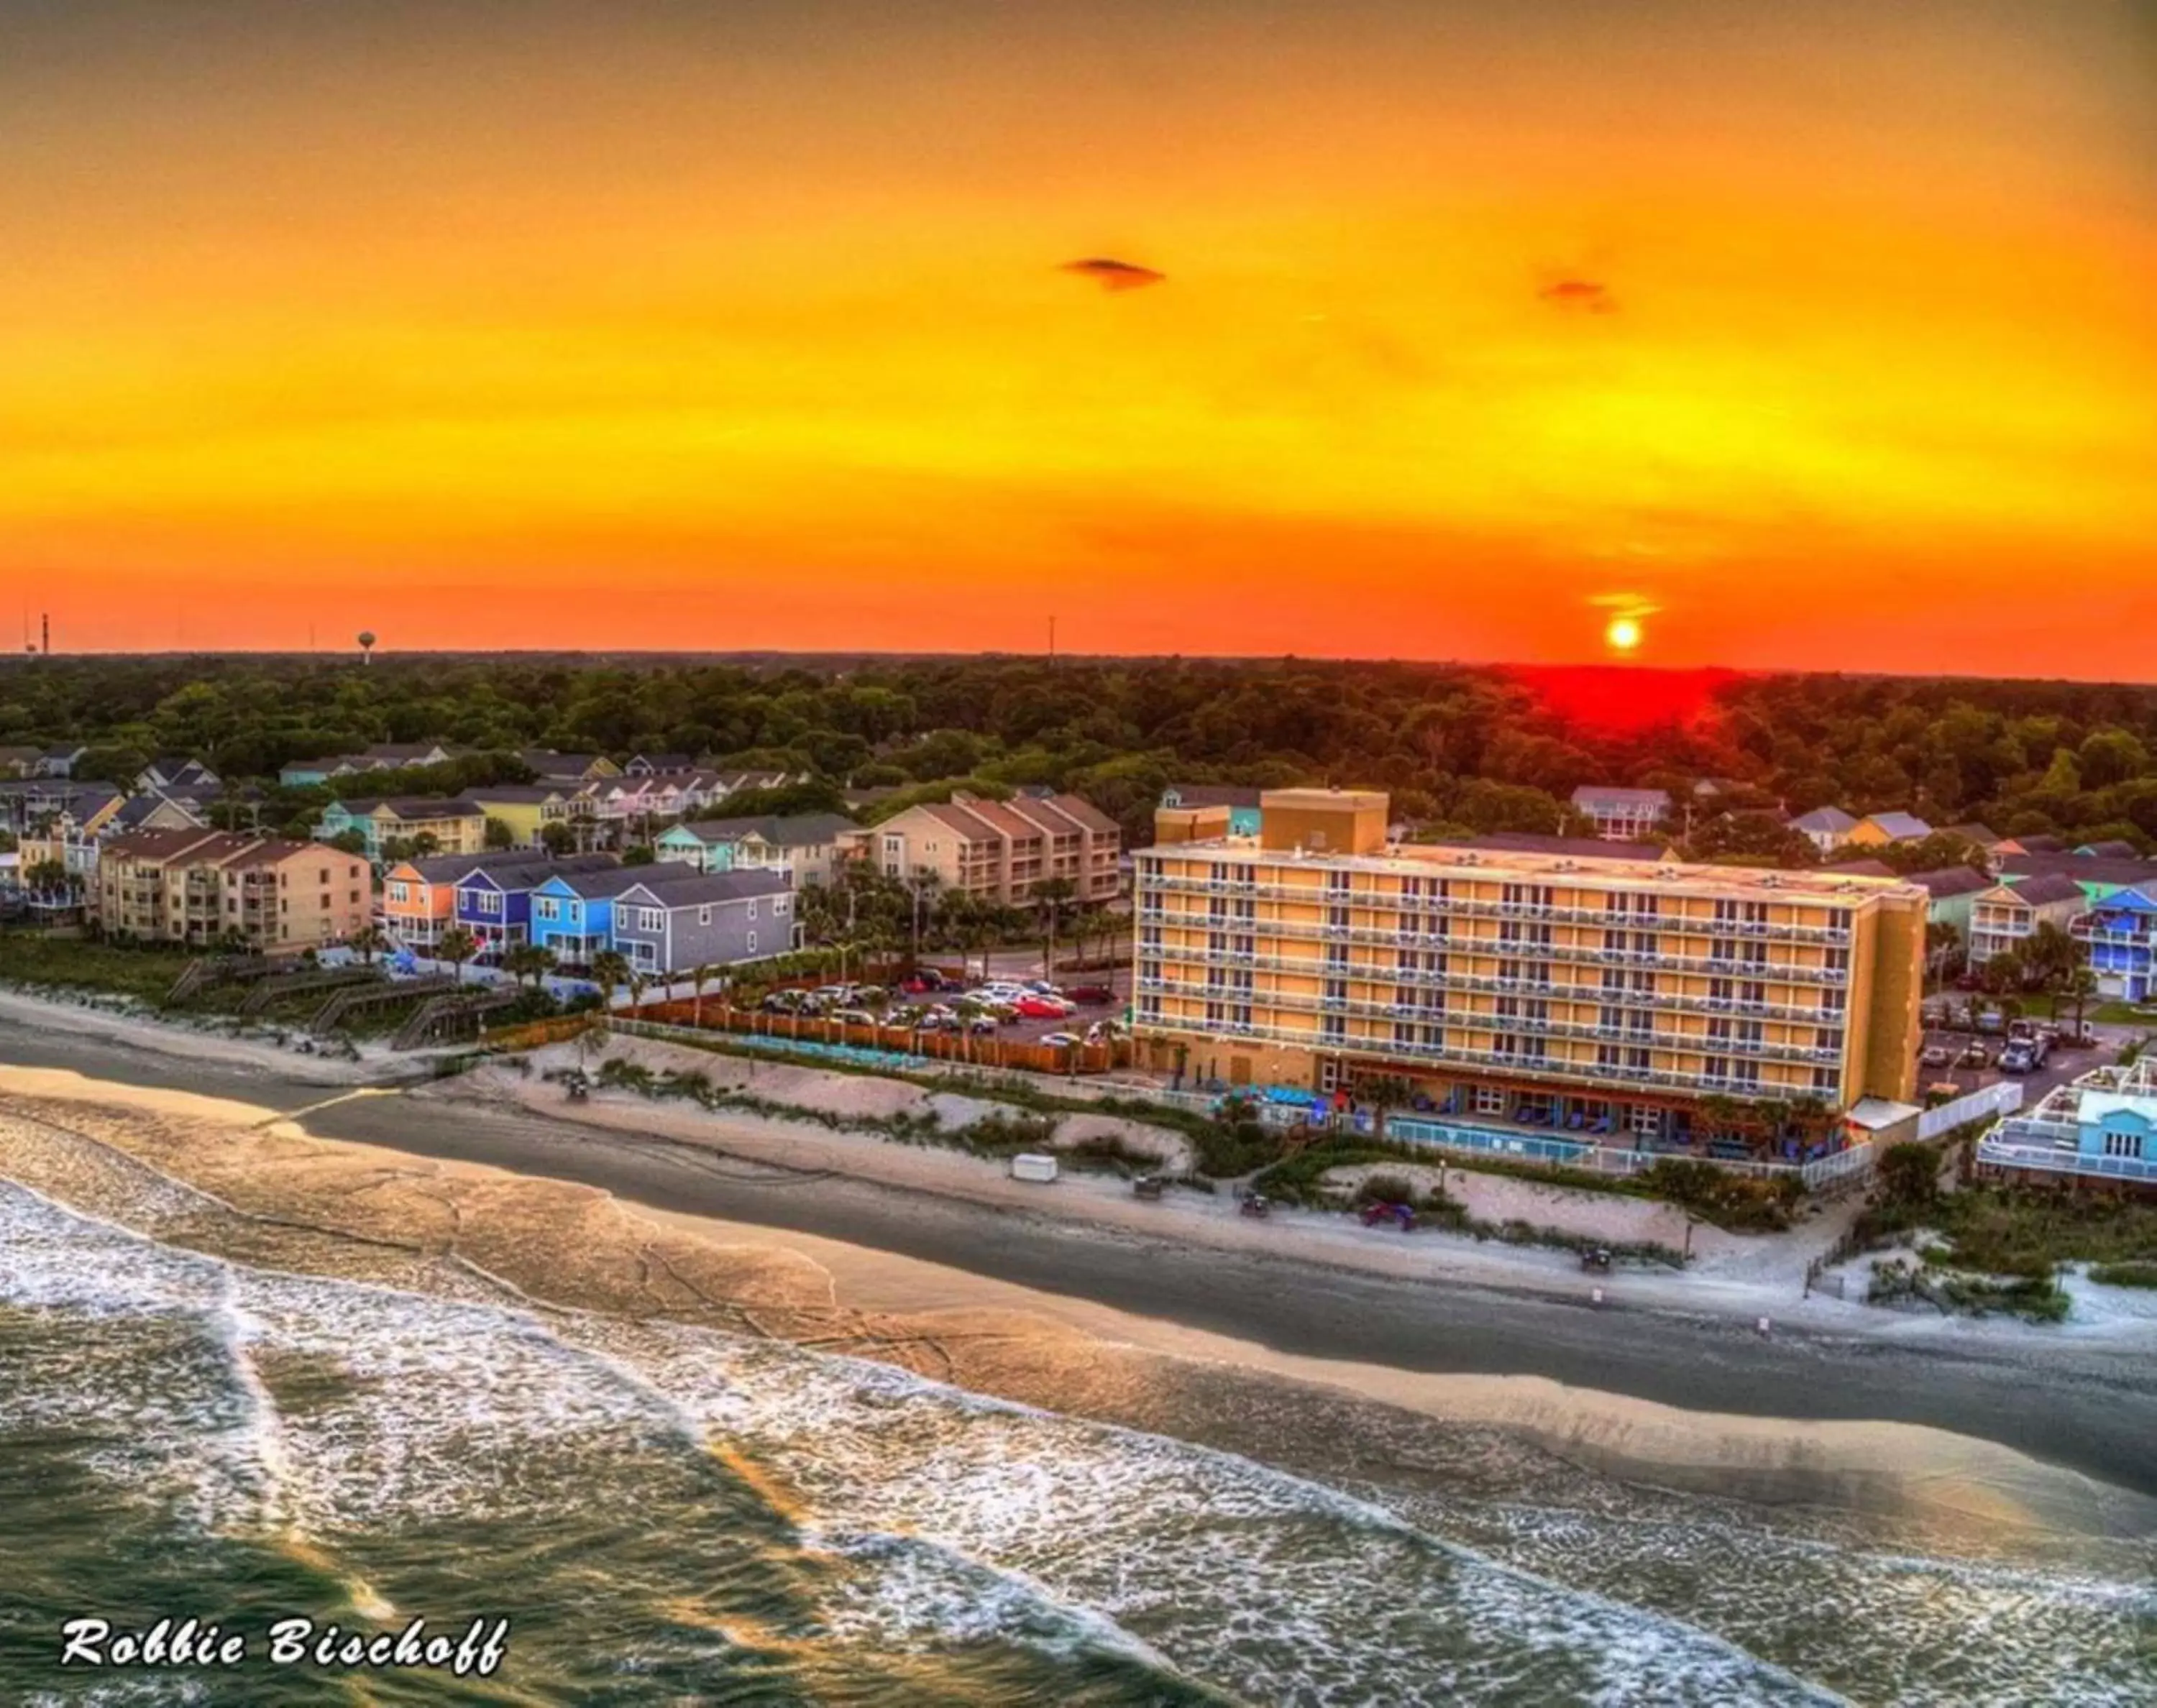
(2121,934)
(804,848)
(572,912)
(419,899)
(523,809)
(454,826)
(696,919)
(2101,1130)
(493,899)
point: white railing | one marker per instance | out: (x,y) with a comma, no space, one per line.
(2003,1098)
(2053,1159)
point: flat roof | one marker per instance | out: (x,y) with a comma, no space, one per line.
(1424,860)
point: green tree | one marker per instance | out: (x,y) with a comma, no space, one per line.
(456,946)
(609,972)
(499,835)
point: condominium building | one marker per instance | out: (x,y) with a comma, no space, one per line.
(1001,850)
(1618,992)
(200,888)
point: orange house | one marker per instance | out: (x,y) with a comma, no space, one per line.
(419,898)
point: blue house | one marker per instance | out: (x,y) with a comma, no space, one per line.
(572,912)
(1242,804)
(2101,1129)
(494,900)
(2121,931)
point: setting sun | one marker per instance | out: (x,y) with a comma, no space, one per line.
(1622,634)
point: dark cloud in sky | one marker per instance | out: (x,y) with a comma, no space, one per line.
(1581,295)
(1115,276)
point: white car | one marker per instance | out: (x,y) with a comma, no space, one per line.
(1062,1040)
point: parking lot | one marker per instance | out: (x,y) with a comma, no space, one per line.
(1017,967)
(2061,1066)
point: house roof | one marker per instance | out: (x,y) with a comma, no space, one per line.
(1861,868)
(1590,796)
(2084,869)
(800,830)
(1831,821)
(275,850)
(409,807)
(2045,887)
(1951,881)
(1983,835)
(562,765)
(1567,847)
(1091,816)
(2047,844)
(700,888)
(665,762)
(1901,825)
(955,816)
(163,845)
(530,872)
(597,886)
(512,794)
(1875,1114)
(410,753)
(138,808)
(1211,794)
(2115,849)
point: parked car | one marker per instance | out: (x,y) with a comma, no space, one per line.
(1990,1021)
(1935,1056)
(1091,995)
(855,1016)
(1062,1040)
(1042,1007)
(1041,987)
(1976,1056)
(2017,1058)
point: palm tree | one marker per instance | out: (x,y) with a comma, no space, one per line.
(638,985)
(457,946)
(369,940)
(1385,1091)
(968,1011)
(1050,894)
(2081,984)
(609,972)
(700,976)
(530,960)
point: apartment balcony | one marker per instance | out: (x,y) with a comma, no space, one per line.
(1694,1043)
(1999,1150)
(1390,903)
(1705,966)
(1607,1080)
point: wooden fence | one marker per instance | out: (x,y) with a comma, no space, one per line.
(985,1051)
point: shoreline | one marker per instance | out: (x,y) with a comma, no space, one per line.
(2083,1404)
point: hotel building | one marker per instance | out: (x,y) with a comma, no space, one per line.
(1607,992)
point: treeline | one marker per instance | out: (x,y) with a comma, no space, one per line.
(1477,748)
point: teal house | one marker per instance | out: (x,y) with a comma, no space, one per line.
(1242,804)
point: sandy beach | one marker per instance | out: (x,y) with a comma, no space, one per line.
(1503,1336)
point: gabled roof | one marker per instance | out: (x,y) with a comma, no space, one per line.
(569,767)
(2083,868)
(2138,899)
(1950,880)
(514,794)
(1861,868)
(1590,796)
(531,872)
(2114,849)
(2046,844)
(1830,820)
(1983,835)
(954,817)
(412,806)
(598,886)
(702,888)
(1903,826)
(802,829)
(2045,888)
(1004,817)
(1091,816)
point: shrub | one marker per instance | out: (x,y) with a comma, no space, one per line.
(2129,1274)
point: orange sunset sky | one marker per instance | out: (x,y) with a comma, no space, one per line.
(1811,333)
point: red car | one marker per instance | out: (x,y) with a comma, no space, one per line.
(1040,1008)
(1091,993)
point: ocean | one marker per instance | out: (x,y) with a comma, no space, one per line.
(227,1413)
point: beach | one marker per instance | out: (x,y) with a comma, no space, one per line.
(1553,1488)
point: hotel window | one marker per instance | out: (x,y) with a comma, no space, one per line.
(1606,1055)
(1827,1080)
(1411,888)
(1749,1073)
(1336,919)
(1611,1019)
(1404,1033)
(1336,989)
(1239,1015)
(1644,1120)
(1534,1050)
(1243,948)
(1720,990)
(1489,1100)
(1753,994)
(1722,950)
(1336,884)
(1838,960)
(1333,1027)
(1148,970)
(1613,943)
(1726,912)
(1827,1039)
(1638,1061)
(1150,936)
(1507,1007)
(1639,1023)
(1748,1032)
(1149,1007)
(1505,1045)
(1216,1012)
(1614,979)
(1716,1068)
(1641,984)
(1336,954)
